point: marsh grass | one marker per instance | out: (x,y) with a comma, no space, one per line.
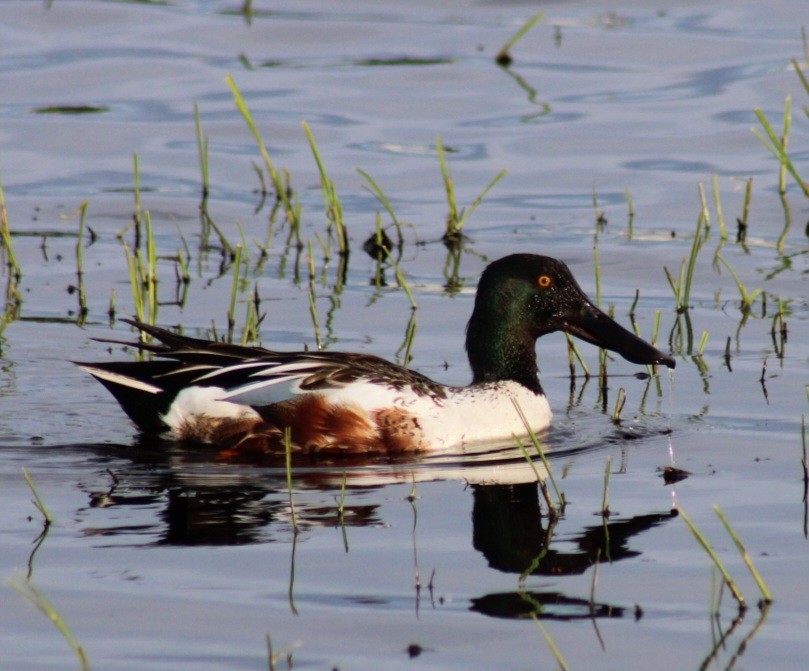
(778,145)
(742,221)
(13,297)
(38,501)
(331,201)
(80,290)
(766,596)
(601,218)
(32,594)
(272,171)
(549,640)
(253,318)
(202,150)
(313,298)
(457,217)
(35,596)
(554,509)
(376,190)
(288,465)
(273,657)
(573,355)
(747,297)
(605,502)
(234,292)
(281,181)
(778,330)
(681,286)
(8,243)
(137,214)
(405,352)
(720,215)
(630,205)
(620,401)
(503,57)
(718,564)
(805,467)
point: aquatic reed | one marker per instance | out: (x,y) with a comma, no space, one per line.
(805,466)
(620,401)
(202,150)
(34,596)
(703,541)
(331,202)
(288,454)
(234,290)
(272,171)
(503,56)
(13,296)
(560,495)
(742,221)
(38,501)
(313,299)
(682,286)
(553,511)
(457,218)
(766,595)
(82,295)
(557,654)
(747,297)
(605,506)
(375,189)
(630,226)
(777,145)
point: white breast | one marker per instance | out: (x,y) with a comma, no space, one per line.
(485,414)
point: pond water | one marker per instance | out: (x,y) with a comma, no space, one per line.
(161,558)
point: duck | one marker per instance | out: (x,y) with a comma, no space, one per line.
(249,402)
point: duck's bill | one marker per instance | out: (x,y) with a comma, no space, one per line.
(592,325)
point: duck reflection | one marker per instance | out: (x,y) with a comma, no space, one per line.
(200,502)
(509,530)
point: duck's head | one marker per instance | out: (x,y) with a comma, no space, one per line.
(524,296)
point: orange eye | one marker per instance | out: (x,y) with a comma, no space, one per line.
(544,281)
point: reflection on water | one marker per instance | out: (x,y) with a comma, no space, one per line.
(509,531)
(547,605)
(179,498)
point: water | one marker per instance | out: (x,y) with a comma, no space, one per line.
(162,559)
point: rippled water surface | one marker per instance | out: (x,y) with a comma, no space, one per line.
(162,558)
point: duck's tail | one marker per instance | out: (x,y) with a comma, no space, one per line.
(135,385)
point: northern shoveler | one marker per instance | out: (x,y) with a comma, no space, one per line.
(240,399)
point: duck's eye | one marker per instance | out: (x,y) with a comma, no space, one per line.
(544,281)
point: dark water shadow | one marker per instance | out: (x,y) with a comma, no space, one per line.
(183,495)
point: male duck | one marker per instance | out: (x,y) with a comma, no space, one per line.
(241,399)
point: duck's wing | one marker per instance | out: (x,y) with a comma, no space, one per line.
(247,376)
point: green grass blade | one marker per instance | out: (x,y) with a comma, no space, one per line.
(288,453)
(41,603)
(557,654)
(475,203)
(714,558)
(331,202)
(503,56)
(383,199)
(777,147)
(241,105)
(202,149)
(766,595)
(541,452)
(38,502)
